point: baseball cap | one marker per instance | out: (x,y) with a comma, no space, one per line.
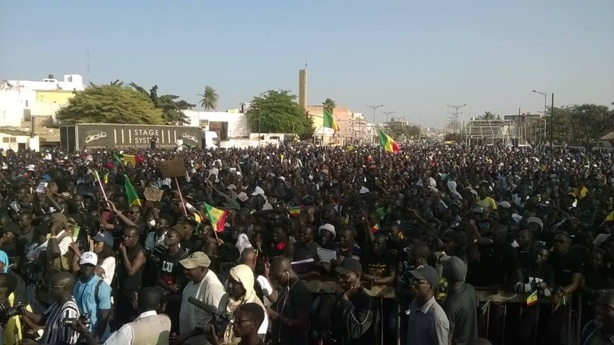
(504,204)
(536,221)
(88,258)
(348,266)
(427,273)
(196,259)
(454,269)
(59,217)
(104,237)
(179,229)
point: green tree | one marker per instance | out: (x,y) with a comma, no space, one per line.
(172,108)
(209,98)
(109,104)
(487,116)
(329,105)
(590,122)
(402,131)
(278,112)
(456,137)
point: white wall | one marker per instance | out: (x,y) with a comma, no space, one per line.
(237,123)
(71,82)
(12,105)
(8,141)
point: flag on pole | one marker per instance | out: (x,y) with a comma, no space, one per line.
(387,143)
(295,211)
(217,217)
(130,160)
(329,121)
(131,194)
(532,299)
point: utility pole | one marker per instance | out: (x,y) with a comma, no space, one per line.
(387,114)
(374,107)
(455,115)
(552,122)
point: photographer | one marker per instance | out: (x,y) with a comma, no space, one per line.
(10,322)
(57,329)
(148,328)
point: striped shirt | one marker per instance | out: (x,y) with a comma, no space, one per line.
(55,331)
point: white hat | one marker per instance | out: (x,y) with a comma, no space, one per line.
(89,258)
(364,190)
(258,191)
(328,227)
(282,178)
(504,204)
(536,221)
(231,187)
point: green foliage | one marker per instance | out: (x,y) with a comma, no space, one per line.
(401,131)
(110,104)
(329,105)
(172,109)
(487,116)
(456,137)
(581,124)
(209,98)
(277,112)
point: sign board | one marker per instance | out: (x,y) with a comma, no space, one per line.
(153,194)
(173,168)
(124,136)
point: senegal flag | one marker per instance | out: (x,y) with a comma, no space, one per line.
(387,143)
(532,299)
(329,121)
(131,194)
(217,217)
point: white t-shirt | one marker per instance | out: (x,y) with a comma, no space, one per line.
(210,291)
(108,265)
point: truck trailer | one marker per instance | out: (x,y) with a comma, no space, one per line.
(125,136)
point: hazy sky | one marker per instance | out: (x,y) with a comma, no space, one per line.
(414,57)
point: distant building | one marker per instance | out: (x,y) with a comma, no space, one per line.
(352,126)
(227,125)
(20,100)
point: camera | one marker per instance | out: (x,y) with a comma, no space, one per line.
(18,309)
(72,322)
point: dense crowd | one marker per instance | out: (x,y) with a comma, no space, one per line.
(301,245)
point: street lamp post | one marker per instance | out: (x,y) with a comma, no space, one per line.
(455,115)
(388,113)
(545,94)
(374,107)
(260,119)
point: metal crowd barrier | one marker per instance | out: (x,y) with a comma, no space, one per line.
(483,296)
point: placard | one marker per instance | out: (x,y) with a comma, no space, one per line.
(173,168)
(153,194)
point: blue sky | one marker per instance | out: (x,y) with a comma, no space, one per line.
(414,57)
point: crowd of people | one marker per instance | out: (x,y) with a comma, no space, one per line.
(302,245)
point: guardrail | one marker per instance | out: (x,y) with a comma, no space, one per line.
(483,297)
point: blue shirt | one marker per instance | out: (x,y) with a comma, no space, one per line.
(4,258)
(84,295)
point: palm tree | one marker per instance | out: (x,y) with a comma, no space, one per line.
(209,98)
(487,116)
(329,105)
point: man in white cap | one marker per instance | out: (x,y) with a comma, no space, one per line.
(93,296)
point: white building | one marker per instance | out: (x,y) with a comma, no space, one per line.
(20,99)
(228,125)
(17,141)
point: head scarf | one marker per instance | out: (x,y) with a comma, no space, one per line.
(244,275)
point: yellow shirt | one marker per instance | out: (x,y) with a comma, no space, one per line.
(488,202)
(12,332)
